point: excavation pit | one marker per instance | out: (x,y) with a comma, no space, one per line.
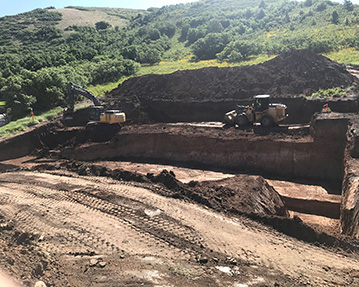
(286,156)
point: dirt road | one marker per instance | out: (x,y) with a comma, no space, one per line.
(92,231)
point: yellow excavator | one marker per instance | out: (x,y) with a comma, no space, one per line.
(260,111)
(102,123)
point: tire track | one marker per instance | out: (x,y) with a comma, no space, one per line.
(162,232)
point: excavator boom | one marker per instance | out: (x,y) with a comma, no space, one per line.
(73,89)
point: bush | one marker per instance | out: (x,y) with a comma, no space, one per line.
(239,50)
(208,47)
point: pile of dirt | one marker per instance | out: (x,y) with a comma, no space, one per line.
(290,74)
(247,193)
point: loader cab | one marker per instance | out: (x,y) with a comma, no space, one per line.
(261,103)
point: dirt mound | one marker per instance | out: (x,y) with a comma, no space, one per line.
(249,194)
(290,74)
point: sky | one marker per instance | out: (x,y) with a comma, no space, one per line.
(12,7)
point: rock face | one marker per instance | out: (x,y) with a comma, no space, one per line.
(204,90)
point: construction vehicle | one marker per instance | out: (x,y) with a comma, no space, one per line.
(101,123)
(260,111)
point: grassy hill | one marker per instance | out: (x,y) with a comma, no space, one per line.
(82,16)
(44,49)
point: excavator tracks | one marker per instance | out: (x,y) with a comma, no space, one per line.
(66,216)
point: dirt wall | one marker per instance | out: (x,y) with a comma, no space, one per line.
(22,144)
(300,110)
(260,155)
(350,190)
(43,137)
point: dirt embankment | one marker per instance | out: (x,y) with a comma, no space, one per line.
(274,154)
(350,193)
(206,94)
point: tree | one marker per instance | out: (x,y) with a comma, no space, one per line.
(167,29)
(287,18)
(262,4)
(321,7)
(261,14)
(335,17)
(153,34)
(102,25)
(239,50)
(184,32)
(194,34)
(308,3)
(208,47)
(214,26)
(248,13)
(149,55)
(348,5)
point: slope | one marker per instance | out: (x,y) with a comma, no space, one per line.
(81,16)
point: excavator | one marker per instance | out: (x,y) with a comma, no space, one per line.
(102,123)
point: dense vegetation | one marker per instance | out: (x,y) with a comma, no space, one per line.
(37,59)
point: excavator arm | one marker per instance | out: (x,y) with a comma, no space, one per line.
(73,89)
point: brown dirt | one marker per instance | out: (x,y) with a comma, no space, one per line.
(291,74)
(68,230)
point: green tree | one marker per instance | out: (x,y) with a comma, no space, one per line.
(262,4)
(321,6)
(287,18)
(194,34)
(335,17)
(348,5)
(239,50)
(214,26)
(308,3)
(208,47)
(184,32)
(261,14)
(18,102)
(102,25)
(154,34)
(149,55)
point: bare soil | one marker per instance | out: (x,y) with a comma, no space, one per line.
(68,230)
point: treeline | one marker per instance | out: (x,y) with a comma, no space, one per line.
(37,59)
(230,33)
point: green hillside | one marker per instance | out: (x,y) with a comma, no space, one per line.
(44,49)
